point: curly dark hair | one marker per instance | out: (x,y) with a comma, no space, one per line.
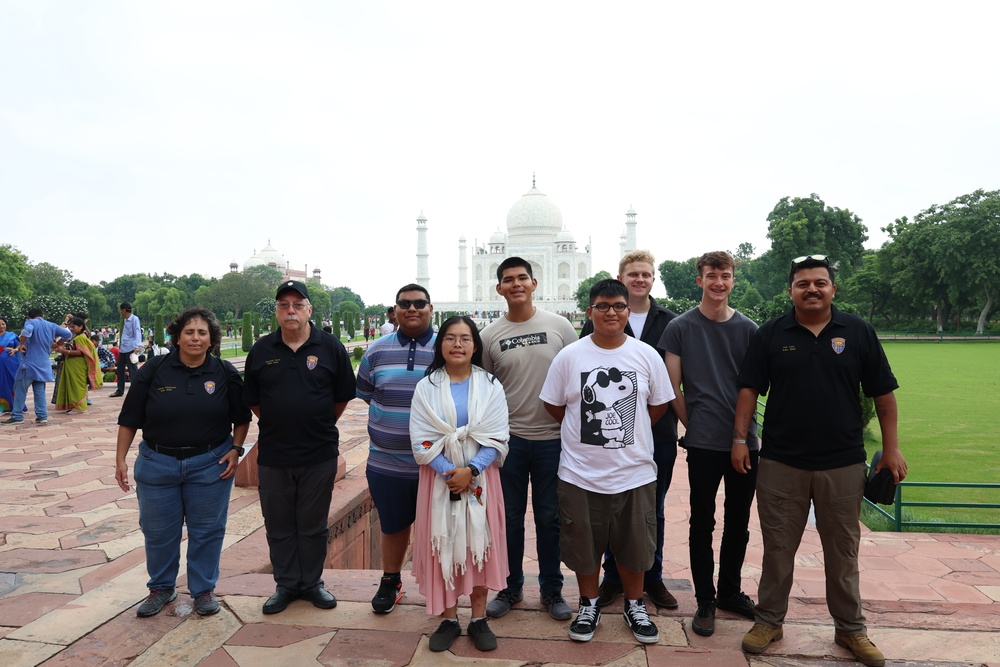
(214,330)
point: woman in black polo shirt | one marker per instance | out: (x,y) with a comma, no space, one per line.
(189,406)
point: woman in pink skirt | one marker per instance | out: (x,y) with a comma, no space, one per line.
(458,429)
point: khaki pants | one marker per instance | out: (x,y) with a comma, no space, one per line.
(783,495)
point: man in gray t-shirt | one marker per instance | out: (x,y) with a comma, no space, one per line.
(704,350)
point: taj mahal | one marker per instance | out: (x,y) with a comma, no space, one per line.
(535,232)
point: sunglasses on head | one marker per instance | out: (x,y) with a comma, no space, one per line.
(816,258)
(419,304)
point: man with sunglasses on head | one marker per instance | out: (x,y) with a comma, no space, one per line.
(387,377)
(518,348)
(606,392)
(813,360)
(299,380)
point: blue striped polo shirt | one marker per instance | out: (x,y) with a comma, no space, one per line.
(388,374)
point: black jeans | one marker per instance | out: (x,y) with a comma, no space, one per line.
(706,469)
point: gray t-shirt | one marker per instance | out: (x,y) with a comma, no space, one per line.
(711,355)
(519,354)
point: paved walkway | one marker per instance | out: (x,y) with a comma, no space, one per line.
(72,572)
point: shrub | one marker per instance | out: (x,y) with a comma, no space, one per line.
(247,332)
(358,353)
(110,377)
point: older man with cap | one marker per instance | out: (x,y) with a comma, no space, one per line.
(298,382)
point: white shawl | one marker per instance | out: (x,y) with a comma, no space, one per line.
(458,527)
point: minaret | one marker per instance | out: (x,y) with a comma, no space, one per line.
(423,273)
(630,224)
(463,272)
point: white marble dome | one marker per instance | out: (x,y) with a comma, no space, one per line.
(498,237)
(267,256)
(533,217)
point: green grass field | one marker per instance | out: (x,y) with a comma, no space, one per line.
(949,410)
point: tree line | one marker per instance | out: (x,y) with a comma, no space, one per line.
(934,271)
(25,284)
(935,267)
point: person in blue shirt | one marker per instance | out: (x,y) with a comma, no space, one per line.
(131,342)
(35,343)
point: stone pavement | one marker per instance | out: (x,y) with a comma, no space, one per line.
(72,573)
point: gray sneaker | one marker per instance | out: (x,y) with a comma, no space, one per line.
(558,609)
(41,420)
(154,603)
(206,604)
(501,604)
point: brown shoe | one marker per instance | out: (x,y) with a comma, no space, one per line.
(862,648)
(759,637)
(608,593)
(660,596)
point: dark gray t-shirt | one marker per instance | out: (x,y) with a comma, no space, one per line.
(711,355)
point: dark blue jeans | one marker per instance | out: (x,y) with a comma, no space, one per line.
(124,363)
(537,462)
(706,469)
(664,455)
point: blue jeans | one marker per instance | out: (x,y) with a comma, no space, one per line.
(537,461)
(664,455)
(21,394)
(173,492)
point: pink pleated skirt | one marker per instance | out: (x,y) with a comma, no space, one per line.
(427,568)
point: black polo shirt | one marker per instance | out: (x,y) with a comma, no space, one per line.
(177,406)
(813,416)
(296,392)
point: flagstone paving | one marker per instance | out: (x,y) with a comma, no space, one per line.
(72,572)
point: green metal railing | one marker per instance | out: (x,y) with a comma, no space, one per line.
(896,517)
(897,514)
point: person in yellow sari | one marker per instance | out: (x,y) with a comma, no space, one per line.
(81,366)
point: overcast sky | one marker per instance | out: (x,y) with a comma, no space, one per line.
(178,137)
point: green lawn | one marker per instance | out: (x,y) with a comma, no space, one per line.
(949,403)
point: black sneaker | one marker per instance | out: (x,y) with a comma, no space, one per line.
(556,604)
(703,622)
(501,604)
(154,603)
(637,619)
(390,591)
(739,603)
(583,627)
(445,635)
(206,604)
(481,635)
(11,420)
(41,420)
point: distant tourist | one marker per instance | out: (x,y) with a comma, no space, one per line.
(131,343)
(35,369)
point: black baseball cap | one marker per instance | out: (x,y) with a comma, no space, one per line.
(292,285)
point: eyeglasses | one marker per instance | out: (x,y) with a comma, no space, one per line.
(419,304)
(816,258)
(605,307)
(300,306)
(464,341)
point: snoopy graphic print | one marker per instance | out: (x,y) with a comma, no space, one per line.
(608,401)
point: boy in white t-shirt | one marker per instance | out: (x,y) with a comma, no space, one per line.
(606,391)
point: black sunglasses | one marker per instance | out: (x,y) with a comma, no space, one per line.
(816,258)
(419,304)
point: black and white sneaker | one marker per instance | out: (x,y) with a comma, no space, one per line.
(390,591)
(585,624)
(643,629)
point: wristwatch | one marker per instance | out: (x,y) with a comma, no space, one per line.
(239,450)
(474,469)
